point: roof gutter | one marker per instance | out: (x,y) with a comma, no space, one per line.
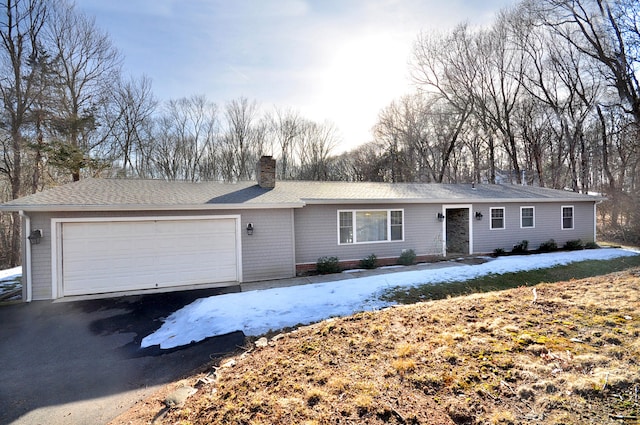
(318,201)
(26,267)
(595,218)
(147,207)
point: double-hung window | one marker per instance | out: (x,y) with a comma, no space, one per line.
(396,225)
(527,217)
(567,218)
(363,226)
(345,226)
(497,218)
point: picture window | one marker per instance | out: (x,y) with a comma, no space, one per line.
(364,226)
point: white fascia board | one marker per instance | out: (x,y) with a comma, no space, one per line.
(145,207)
(285,205)
(533,200)
(445,201)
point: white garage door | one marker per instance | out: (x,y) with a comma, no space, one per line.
(101,257)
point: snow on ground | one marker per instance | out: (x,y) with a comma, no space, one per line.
(257,312)
(8,277)
(10,274)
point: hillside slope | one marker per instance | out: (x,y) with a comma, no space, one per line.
(566,353)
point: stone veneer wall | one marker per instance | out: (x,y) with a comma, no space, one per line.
(266,172)
(458,231)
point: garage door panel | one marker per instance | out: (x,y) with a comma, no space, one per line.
(115,256)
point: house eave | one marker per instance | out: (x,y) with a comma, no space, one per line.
(146,207)
(328,201)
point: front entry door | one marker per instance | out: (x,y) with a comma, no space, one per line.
(457,231)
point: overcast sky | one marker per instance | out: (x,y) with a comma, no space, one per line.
(336,60)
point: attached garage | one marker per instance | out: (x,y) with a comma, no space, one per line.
(105,255)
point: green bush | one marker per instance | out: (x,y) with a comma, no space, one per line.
(407,258)
(548,246)
(573,245)
(326,265)
(521,248)
(369,262)
(591,245)
(498,252)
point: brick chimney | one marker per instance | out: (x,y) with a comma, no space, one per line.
(266,172)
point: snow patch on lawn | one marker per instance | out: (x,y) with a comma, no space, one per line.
(257,312)
(10,274)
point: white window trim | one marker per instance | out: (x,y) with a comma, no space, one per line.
(504,218)
(445,208)
(573,217)
(353,226)
(534,217)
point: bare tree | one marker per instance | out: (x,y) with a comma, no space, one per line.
(420,134)
(20,56)
(343,167)
(534,124)
(446,64)
(364,163)
(591,49)
(450,66)
(606,31)
(87,68)
(242,139)
(390,132)
(127,120)
(562,78)
(185,135)
(314,151)
(286,128)
(499,88)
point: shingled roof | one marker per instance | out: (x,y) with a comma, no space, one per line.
(122,194)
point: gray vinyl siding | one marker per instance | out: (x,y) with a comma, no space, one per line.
(547,222)
(267,254)
(316,231)
(41,258)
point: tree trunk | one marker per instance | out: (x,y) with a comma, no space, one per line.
(492,161)
(612,191)
(16,191)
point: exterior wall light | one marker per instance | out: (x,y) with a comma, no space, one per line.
(35,236)
(440,217)
(249,229)
(478,215)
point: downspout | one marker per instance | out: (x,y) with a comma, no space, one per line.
(595,220)
(26,267)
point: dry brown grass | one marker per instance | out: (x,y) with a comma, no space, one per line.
(573,357)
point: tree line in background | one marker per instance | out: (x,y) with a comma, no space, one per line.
(547,95)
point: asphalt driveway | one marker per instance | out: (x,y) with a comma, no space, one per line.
(81,363)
